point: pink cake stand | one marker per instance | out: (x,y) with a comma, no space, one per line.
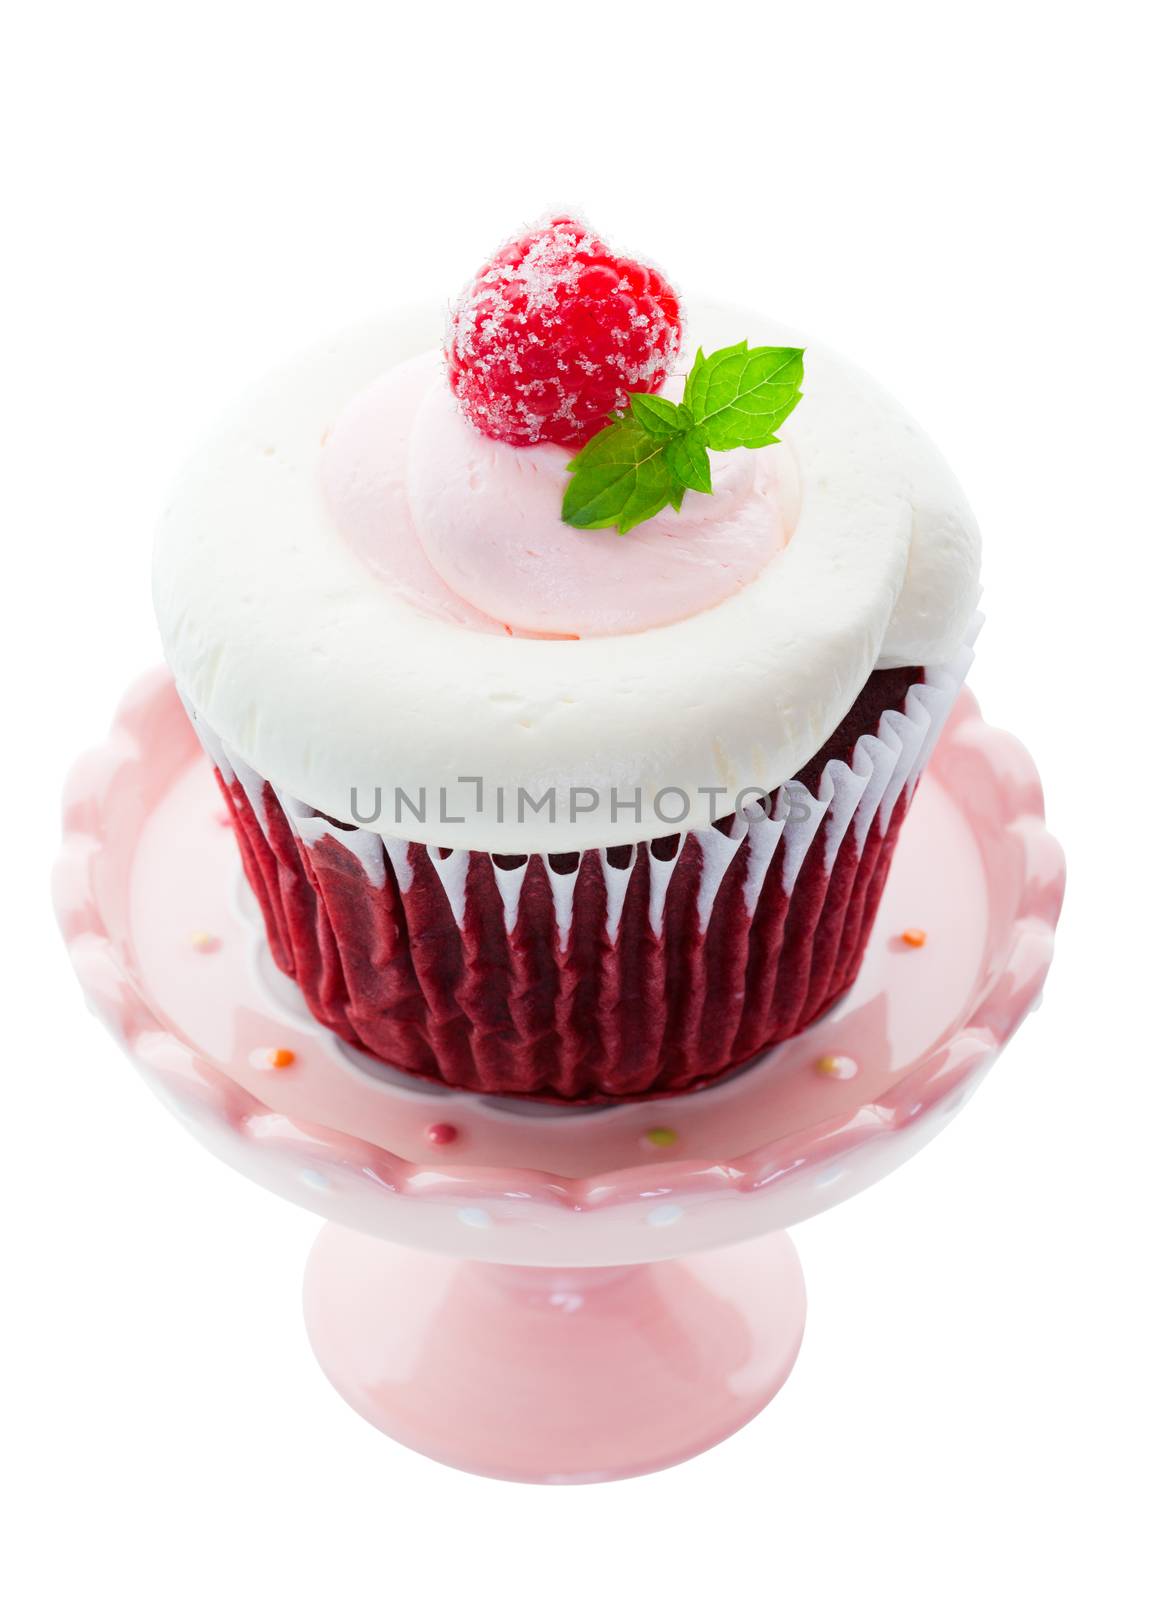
(550,1295)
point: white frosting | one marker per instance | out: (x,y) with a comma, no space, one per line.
(326,680)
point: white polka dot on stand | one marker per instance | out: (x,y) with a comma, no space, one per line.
(314,1179)
(474,1217)
(664,1216)
(830,1176)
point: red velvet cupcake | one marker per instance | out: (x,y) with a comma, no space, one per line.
(568,695)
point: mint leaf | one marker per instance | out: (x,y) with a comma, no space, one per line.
(697,368)
(689,461)
(620,478)
(656,415)
(650,456)
(739,397)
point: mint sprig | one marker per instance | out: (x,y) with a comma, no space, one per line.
(647,457)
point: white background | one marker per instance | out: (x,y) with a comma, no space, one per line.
(954,195)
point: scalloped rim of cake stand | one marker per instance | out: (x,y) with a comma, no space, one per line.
(1006,791)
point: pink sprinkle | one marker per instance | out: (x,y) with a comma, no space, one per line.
(441,1133)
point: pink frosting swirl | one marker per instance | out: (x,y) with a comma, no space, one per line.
(469,529)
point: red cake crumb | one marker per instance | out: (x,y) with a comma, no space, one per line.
(554,333)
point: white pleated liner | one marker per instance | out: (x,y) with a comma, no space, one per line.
(850,795)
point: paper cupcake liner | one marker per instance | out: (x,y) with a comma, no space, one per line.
(618,973)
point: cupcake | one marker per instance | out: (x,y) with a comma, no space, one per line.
(568,675)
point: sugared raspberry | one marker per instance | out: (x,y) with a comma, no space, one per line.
(554,332)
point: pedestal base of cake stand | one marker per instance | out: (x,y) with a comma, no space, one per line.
(554,1376)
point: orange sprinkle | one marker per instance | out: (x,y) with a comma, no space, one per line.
(836,1066)
(281,1058)
(915,937)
